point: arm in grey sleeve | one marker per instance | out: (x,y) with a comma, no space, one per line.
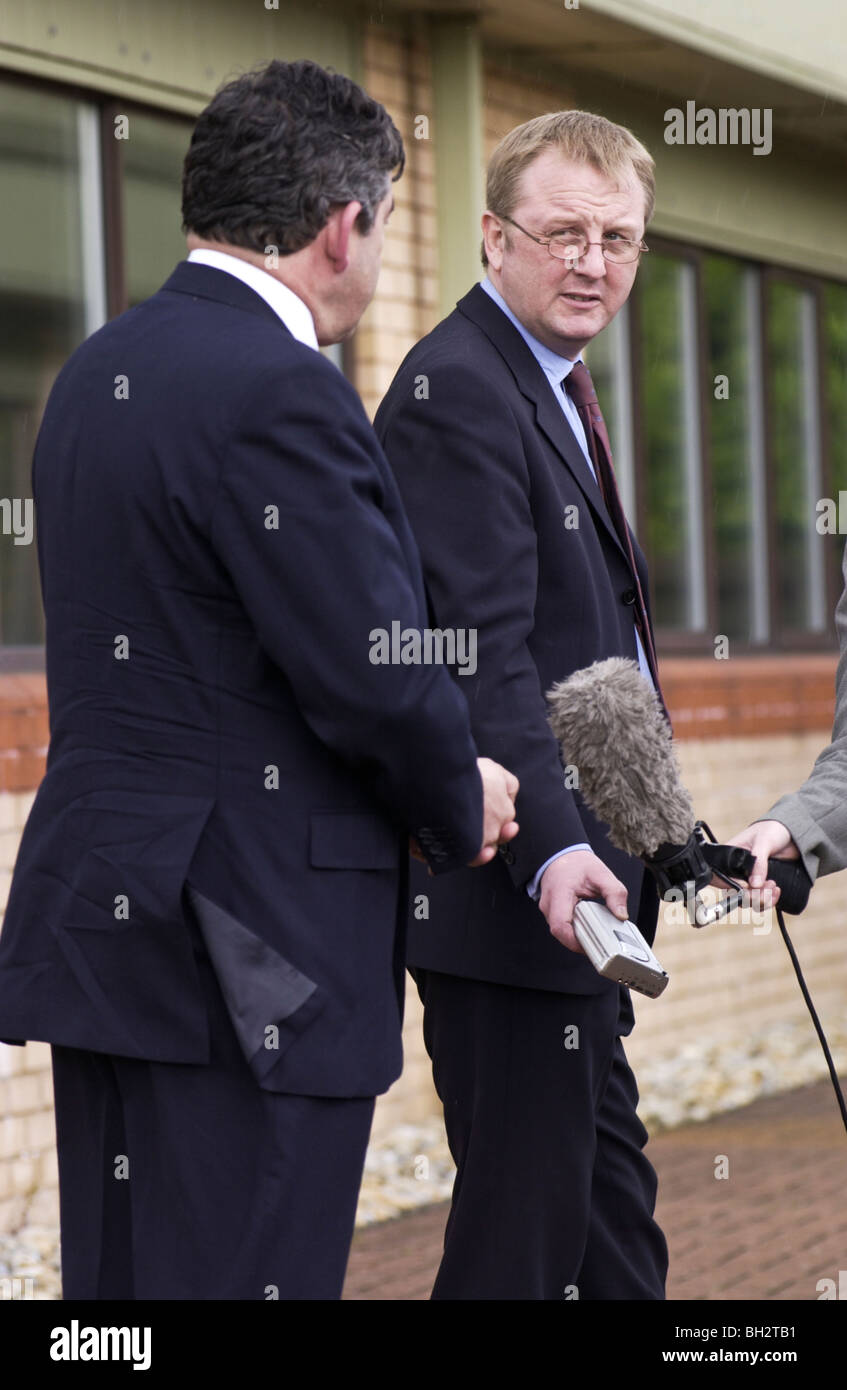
(816,814)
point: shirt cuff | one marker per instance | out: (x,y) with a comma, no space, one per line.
(534,885)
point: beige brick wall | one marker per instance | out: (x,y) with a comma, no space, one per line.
(405,307)
(28,1175)
(510,100)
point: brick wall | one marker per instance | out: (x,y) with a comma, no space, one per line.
(23,739)
(28,1176)
(510,100)
(397,72)
(405,307)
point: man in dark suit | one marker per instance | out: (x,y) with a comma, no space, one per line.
(205,914)
(496,439)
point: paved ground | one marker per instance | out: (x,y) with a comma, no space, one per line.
(770,1230)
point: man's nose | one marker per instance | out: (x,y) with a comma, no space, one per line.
(593,263)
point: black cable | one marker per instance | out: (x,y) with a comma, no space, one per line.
(839,1094)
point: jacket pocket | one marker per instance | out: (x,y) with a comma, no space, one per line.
(353,840)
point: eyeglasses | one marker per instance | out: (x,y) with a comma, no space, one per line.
(572,246)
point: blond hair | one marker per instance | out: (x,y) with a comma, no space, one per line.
(581,136)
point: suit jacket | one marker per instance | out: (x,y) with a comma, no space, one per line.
(816,814)
(218,536)
(490,474)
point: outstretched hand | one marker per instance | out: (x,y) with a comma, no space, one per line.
(766,839)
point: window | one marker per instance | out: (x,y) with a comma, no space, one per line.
(59,217)
(607,357)
(153,241)
(671,416)
(732,312)
(52,290)
(725,392)
(796,483)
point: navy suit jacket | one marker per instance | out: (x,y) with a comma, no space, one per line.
(493,481)
(219,534)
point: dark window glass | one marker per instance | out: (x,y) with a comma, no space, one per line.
(51,297)
(153,155)
(795,481)
(674,537)
(731,311)
(608,359)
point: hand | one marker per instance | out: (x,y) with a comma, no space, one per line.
(499,789)
(579,874)
(416,851)
(766,839)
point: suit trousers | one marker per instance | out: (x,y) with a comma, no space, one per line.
(553,1197)
(190,1182)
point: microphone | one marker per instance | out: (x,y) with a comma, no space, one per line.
(610,725)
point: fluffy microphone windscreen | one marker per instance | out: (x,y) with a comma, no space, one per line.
(611,728)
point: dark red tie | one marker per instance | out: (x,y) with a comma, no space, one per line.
(580,388)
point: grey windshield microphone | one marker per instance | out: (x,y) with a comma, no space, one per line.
(618,792)
(611,727)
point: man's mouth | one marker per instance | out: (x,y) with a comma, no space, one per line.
(574,298)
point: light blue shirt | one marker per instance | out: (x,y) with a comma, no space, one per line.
(556,368)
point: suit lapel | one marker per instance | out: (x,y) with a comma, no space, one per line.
(532,383)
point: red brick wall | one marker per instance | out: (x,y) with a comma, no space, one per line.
(24,731)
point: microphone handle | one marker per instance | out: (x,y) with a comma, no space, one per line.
(789,875)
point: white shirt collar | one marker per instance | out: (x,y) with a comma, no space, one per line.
(287,305)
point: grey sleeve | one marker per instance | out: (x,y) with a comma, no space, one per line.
(816,814)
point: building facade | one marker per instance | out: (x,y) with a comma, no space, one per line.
(724,381)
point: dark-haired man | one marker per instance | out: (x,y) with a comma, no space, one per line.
(205,919)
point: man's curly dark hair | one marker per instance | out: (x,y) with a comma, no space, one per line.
(277,149)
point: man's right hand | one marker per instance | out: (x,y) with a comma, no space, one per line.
(499,788)
(579,874)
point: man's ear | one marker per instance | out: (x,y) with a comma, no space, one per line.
(338,231)
(494,238)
